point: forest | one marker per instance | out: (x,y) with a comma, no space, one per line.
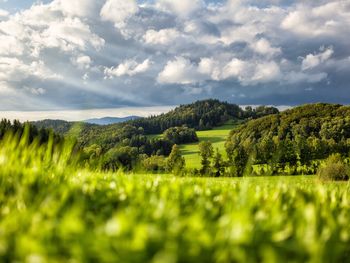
(297,138)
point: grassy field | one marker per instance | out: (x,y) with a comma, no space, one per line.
(53,211)
(217,136)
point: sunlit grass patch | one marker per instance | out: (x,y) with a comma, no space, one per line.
(216,136)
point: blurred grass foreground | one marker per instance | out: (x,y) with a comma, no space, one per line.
(53,210)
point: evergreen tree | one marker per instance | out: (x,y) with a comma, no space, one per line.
(206,152)
(175,162)
(218,164)
(240,159)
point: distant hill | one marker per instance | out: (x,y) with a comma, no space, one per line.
(110,120)
(201,115)
(60,126)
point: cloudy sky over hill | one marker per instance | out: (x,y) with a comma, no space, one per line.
(84,54)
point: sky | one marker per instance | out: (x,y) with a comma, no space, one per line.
(85,114)
(68,56)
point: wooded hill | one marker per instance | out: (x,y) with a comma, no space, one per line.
(301,134)
(124,144)
(199,115)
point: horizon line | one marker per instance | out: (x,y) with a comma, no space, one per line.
(97,113)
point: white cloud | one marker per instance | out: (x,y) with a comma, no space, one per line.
(82,61)
(266,72)
(313,60)
(245,33)
(161,37)
(119,11)
(251,72)
(182,71)
(14,28)
(81,8)
(329,19)
(179,71)
(127,68)
(15,70)
(40,28)
(9,45)
(247,22)
(3,14)
(68,35)
(5,88)
(181,8)
(38,16)
(210,67)
(263,46)
(237,68)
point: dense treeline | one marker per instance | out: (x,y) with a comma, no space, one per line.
(59,126)
(126,148)
(294,137)
(200,115)
(180,135)
(17,128)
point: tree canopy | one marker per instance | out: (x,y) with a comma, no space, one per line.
(301,134)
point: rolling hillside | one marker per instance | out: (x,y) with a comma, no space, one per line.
(201,115)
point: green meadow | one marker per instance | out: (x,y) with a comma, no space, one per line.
(217,136)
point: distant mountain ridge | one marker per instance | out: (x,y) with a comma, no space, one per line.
(110,120)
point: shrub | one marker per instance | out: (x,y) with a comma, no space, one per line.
(175,162)
(122,157)
(334,169)
(154,163)
(180,135)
